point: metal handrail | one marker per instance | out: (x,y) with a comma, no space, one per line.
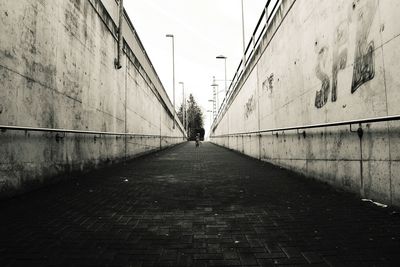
(239,72)
(56,130)
(318,125)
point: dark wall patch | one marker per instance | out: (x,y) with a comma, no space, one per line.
(340,52)
(364,65)
(321,96)
(268,84)
(249,107)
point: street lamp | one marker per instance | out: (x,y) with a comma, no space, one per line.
(226,86)
(224,58)
(173,73)
(183,105)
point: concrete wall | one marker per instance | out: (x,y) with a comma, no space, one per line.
(324,61)
(57,71)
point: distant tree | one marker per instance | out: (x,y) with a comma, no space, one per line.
(194,117)
(180,113)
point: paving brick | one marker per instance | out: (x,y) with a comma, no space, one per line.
(291,252)
(224,263)
(312,257)
(200,263)
(270,255)
(248,259)
(251,250)
(208,256)
(230,255)
(265,262)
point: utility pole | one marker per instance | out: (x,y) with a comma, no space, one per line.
(243,38)
(215,97)
(183,106)
(173,74)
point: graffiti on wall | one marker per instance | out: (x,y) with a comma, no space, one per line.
(340,52)
(322,95)
(249,107)
(268,85)
(363,65)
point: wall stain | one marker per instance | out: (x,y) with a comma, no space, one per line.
(71,23)
(268,84)
(77,4)
(249,107)
(29,29)
(9,54)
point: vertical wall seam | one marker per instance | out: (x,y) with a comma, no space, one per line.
(126,104)
(258,111)
(387,110)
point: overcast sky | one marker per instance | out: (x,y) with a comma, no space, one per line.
(203,29)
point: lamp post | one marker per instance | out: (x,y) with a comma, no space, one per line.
(211,116)
(215,95)
(173,73)
(226,87)
(120,38)
(183,105)
(213,107)
(243,39)
(224,58)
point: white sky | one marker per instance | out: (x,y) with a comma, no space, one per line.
(203,29)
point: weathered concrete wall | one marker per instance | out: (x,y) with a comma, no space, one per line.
(57,71)
(325,61)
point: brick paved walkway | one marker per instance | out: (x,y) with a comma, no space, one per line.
(195,207)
